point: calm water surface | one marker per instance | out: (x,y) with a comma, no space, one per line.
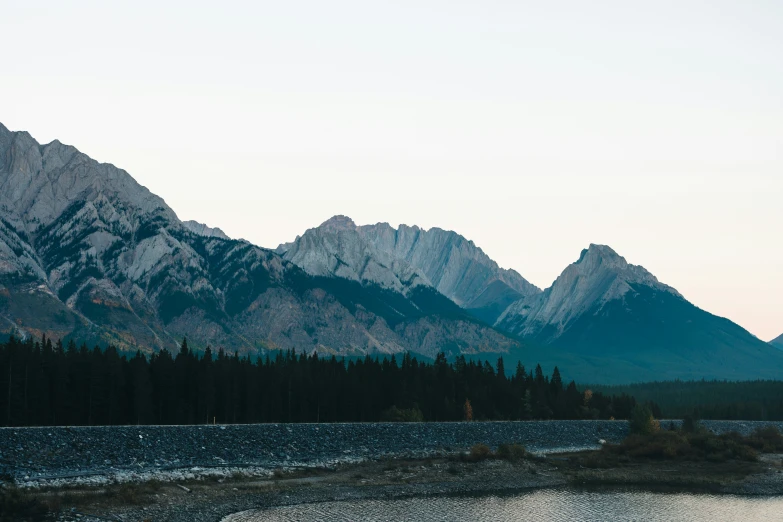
(541,505)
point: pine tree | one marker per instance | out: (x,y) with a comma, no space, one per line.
(501,368)
(556,384)
(142,389)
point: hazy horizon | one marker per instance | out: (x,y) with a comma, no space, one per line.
(533,130)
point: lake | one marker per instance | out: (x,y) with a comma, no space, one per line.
(540,505)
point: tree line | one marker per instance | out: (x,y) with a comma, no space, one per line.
(44,383)
(726,400)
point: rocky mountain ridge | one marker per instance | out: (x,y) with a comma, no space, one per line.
(86,252)
(337,248)
(408,256)
(599,276)
(611,319)
(618,323)
(203,230)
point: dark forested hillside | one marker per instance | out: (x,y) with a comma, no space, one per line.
(724,400)
(45,383)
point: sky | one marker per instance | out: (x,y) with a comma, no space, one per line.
(532,128)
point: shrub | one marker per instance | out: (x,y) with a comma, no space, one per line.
(766,440)
(511,452)
(703,445)
(642,421)
(480,452)
(659,445)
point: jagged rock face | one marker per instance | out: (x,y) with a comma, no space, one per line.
(338,248)
(597,278)
(456,267)
(409,256)
(777,342)
(203,230)
(87,252)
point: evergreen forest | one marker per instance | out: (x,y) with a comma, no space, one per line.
(44,383)
(726,400)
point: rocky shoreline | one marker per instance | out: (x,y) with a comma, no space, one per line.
(209,472)
(244,499)
(59,456)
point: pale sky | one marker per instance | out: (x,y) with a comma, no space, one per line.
(532,128)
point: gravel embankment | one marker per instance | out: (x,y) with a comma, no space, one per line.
(93,455)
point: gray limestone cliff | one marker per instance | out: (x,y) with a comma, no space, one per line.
(408,256)
(203,230)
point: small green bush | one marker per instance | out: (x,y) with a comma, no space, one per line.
(766,440)
(642,421)
(511,452)
(480,452)
(703,445)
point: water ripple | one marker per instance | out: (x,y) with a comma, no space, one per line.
(543,505)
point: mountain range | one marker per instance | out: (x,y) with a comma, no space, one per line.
(88,253)
(406,257)
(778,342)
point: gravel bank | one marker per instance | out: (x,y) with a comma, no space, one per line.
(97,455)
(209,501)
(84,455)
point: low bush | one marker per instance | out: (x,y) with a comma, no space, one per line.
(697,445)
(766,440)
(511,452)
(642,421)
(658,445)
(480,452)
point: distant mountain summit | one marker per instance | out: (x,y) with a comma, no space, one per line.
(620,324)
(600,276)
(406,257)
(338,248)
(777,342)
